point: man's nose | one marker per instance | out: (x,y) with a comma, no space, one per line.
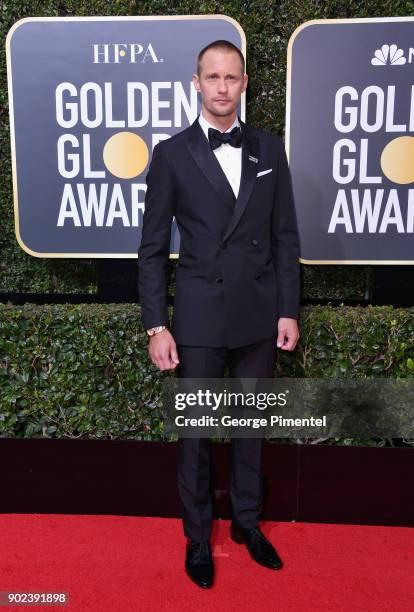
(222,85)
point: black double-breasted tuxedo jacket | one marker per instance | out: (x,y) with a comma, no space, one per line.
(238,267)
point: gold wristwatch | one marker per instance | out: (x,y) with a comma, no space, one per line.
(156,330)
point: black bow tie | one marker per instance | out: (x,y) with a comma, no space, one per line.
(217,138)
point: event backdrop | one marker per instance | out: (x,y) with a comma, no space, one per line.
(89,99)
(349,133)
(103,91)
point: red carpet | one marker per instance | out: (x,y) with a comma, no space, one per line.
(114,563)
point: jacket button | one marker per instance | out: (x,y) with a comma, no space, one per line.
(219,279)
(257,276)
(255,242)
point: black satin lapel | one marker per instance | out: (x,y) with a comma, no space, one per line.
(250,149)
(203,155)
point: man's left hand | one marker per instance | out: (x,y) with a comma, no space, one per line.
(288,334)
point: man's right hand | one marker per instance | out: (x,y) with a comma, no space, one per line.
(163,351)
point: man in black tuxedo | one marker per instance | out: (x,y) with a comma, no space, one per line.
(237,283)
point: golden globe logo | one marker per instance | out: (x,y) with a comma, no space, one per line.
(90,198)
(90,98)
(372,110)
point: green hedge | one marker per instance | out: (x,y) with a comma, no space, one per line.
(268,26)
(83,371)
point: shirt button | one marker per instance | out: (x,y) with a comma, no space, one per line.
(255,242)
(219,279)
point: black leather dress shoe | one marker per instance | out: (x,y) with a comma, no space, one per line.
(199,563)
(260,549)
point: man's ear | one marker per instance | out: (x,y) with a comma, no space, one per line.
(196,82)
(245,82)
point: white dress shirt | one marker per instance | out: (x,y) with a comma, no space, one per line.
(229,157)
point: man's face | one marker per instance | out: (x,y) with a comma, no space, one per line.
(221,81)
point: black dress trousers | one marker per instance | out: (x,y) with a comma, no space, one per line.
(194,454)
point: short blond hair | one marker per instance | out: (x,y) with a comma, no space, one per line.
(225,45)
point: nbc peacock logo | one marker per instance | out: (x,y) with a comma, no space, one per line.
(388,55)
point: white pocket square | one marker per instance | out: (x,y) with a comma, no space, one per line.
(264,172)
